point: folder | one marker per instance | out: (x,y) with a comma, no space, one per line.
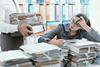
(38,48)
(13,55)
(81,46)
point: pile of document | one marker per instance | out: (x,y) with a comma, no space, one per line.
(41,52)
(64,50)
(45,55)
(82,52)
(97,59)
(13,57)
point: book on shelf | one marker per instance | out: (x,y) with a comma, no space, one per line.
(54,1)
(41,11)
(40,1)
(33,8)
(36,8)
(64,1)
(30,8)
(85,10)
(70,11)
(71,2)
(65,12)
(30,1)
(25,8)
(84,2)
(47,1)
(52,12)
(77,9)
(57,1)
(20,1)
(21,6)
(57,12)
(47,12)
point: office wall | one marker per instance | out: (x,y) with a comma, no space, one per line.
(95,14)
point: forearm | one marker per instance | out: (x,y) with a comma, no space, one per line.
(57,42)
(87,28)
(94,34)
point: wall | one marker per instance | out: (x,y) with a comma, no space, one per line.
(94,12)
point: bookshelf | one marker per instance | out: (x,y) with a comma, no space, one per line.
(54,12)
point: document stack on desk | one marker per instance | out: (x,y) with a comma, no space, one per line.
(13,57)
(44,53)
(81,51)
(64,50)
(97,60)
(41,52)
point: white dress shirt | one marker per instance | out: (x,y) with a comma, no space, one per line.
(6,8)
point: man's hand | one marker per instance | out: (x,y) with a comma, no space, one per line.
(25,29)
(84,25)
(57,42)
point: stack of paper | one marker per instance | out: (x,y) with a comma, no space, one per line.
(12,55)
(43,52)
(81,46)
(38,48)
(64,50)
(48,56)
(80,64)
(81,51)
(82,57)
(97,60)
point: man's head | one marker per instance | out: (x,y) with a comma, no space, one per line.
(74,25)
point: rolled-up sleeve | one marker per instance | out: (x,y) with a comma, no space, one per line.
(50,35)
(4,26)
(92,36)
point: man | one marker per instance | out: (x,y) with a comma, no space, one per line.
(11,35)
(78,28)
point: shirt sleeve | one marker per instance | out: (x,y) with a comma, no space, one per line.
(50,35)
(4,26)
(92,35)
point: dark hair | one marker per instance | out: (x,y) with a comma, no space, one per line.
(85,18)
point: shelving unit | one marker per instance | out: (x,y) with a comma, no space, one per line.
(55,12)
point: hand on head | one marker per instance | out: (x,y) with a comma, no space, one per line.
(79,23)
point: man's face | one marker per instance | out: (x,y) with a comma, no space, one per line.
(74,25)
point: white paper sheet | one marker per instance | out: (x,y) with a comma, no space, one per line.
(12,55)
(38,48)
